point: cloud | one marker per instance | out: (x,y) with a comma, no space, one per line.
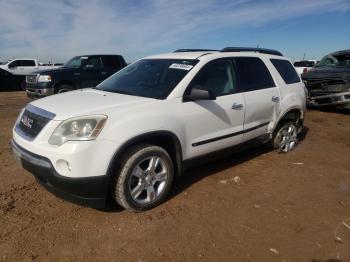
(61,29)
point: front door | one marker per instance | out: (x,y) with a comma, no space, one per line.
(91,72)
(213,124)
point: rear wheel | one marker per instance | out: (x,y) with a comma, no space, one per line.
(285,137)
(144,178)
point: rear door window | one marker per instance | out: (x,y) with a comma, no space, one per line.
(111,62)
(286,70)
(252,74)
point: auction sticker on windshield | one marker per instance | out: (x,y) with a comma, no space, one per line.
(181,66)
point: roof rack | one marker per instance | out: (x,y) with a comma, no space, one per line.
(193,50)
(252,49)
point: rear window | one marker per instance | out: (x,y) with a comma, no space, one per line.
(252,74)
(286,70)
(304,64)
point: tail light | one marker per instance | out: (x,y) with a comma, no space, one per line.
(304,70)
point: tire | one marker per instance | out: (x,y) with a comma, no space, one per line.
(285,137)
(64,88)
(144,178)
(23,85)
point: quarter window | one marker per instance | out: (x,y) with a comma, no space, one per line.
(252,74)
(286,70)
(216,77)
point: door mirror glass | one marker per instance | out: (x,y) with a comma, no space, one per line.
(198,93)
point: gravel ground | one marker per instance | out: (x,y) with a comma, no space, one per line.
(250,206)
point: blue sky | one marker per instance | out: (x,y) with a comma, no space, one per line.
(57,30)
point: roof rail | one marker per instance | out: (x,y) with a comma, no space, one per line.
(252,49)
(194,50)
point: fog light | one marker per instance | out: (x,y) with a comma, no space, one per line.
(63,166)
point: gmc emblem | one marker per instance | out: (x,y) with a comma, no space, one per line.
(27,121)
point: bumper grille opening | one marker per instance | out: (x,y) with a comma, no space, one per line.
(32,79)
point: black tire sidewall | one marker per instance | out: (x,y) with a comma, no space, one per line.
(64,87)
(123,177)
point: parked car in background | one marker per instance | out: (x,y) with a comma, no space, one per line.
(13,72)
(328,83)
(133,133)
(302,66)
(78,72)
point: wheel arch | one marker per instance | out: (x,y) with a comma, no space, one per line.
(64,82)
(165,139)
(293,114)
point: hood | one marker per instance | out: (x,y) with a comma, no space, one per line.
(55,70)
(87,102)
(327,72)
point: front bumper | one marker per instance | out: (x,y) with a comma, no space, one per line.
(90,191)
(37,93)
(335,99)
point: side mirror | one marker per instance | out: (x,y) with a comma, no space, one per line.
(198,93)
(11,66)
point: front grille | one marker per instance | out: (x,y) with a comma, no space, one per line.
(31,124)
(325,86)
(32,79)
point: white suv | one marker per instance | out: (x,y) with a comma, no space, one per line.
(128,137)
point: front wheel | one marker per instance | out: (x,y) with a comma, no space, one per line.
(23,85)
(285,137)
(144,178)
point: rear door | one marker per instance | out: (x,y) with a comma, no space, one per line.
(110,65)
(26,66)
(260,93)
(91,72)
(213,124)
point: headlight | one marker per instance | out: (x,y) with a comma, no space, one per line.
(82,128)
(44,78)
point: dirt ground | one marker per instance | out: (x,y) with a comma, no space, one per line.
(251,206)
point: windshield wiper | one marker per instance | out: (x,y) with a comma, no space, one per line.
(117,91)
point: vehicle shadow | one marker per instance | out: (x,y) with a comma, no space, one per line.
(220,161)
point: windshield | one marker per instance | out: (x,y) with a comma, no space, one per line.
(335,60)
(75,62)
(154,78)
(304,64)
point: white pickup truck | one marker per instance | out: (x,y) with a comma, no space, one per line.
(15,70)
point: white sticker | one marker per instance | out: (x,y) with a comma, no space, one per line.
(181,66)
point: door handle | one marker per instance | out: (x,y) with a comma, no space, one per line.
(237,106)
(275,99)
(103,73)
